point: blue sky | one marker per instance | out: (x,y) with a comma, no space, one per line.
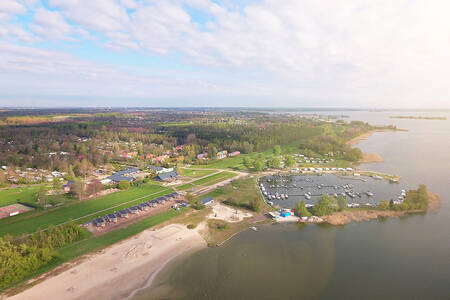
(294,53)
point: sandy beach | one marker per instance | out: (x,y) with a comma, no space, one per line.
(119,270)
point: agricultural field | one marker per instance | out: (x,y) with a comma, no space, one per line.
(212,179)
(194,173)
(80,212)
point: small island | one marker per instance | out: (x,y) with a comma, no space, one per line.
(418,118)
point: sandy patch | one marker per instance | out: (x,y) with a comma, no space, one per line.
(117,271)
(228,214)
(434,202)
(371,158)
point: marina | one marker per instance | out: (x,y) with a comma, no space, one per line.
(286,190)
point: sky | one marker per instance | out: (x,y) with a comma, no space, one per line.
(263,53)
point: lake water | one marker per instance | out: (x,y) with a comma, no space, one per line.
(407,258)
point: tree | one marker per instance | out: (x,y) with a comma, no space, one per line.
(94,187)
(300,209)
(2,179)
(289,161)
(212,151)
(78,189)
(325,206)
(124,185)
(277,150)
(342,202)
(41,196)
(70,174)
(189,198)
(254,204)
(247,162)
(259,165)
(274,163)
(57,184)
(384,205)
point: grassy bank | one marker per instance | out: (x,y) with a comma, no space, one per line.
(80,212)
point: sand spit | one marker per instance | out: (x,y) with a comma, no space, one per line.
(367,157)
(117,271)
(371,158)
(346,217)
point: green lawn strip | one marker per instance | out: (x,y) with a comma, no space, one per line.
(214,178)
(24,194)
(97,243)
(185,187)
(82,211)
(194,173)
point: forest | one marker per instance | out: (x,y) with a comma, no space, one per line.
(20,257)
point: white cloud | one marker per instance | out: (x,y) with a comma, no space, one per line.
(50,24)
(12,7)
(357,51)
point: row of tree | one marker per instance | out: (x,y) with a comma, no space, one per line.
(19,258)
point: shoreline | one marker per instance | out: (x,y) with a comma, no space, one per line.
(367,157)
(129,266)
(349,216)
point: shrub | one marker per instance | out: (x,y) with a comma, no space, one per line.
(123,185)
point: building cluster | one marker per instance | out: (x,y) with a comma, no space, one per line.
(31,175)
(133,210)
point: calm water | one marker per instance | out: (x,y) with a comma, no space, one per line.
(406,258)
(295,186)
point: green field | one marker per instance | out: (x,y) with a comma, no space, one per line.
(212,179)
(229,162)
(78,211)
(194,173)
(22,194)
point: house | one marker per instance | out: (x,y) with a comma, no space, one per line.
(159,170)
(167,176)
(222,154)
(123,175)
(202,156)
(106,181)
(235,153)
(207,201)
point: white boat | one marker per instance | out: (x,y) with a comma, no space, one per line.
(254,228)
(369,194)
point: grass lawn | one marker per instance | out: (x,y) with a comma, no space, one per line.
(96,243)
(185,187)
(212,179)
(194,173)
(31,222)
(26,194)
(227,163)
